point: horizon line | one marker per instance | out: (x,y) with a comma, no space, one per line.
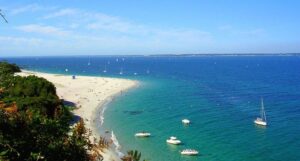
(158,55)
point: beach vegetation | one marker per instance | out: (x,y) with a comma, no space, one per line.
(7,68)
(132,155)
(35,124)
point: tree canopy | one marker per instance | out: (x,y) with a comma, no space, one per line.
(34,123)
(6,68)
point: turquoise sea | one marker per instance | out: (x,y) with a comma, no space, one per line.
(219,94)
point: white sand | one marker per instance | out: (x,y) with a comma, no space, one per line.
(88,93)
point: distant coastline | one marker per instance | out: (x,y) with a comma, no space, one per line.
(229,54)
(162,55)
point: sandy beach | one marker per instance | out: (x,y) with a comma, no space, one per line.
(88,94)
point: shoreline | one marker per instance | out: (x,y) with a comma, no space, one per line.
(90,95)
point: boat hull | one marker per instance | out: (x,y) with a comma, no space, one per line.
(185,121)
(189,153)
(177,142)
(143,135)
(258,122)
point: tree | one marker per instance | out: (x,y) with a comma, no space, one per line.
(35,124)
(132,155)
(8,68)
(39,128)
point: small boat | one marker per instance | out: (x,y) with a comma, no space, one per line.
(262,120)
(121,71)
(89,63)
(104,71)
(173,140)
(186,121)
(142,134)
(189,152)
(135,73)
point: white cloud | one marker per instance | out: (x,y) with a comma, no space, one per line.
(241,32)
(74,25)
(19,40)
(26,8)
(62,12)
(40,29)
(13,44)
(225,28)
(99,25)
(99,21)
(101,33)
(30,8)
(253,32)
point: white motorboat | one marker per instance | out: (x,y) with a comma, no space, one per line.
(189,152)
(143,134)
(186,121)
(262,120)
(173,140)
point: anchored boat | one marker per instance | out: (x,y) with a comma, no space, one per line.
(173,140)
(143,134)
(262,120)
(189,152)
(186,121)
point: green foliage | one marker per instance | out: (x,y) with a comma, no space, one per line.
(6,72)
(32,93)
(29,87)
(132,155)
(39,129)
(6,68)
(39,137)
(37,126)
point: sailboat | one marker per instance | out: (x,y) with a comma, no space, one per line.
(121,71)
(262,120)
(89,63)
(104,71)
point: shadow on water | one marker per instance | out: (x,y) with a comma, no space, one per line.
(133,112)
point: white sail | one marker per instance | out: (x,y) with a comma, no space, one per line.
(262,120)
(263,113)
(121,71)
(104,71)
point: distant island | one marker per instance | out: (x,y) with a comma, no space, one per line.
(228,54)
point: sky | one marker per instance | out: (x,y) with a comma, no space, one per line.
(145,27)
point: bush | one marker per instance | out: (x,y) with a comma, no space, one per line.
(39,129)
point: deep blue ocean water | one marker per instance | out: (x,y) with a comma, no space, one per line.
(219,94)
